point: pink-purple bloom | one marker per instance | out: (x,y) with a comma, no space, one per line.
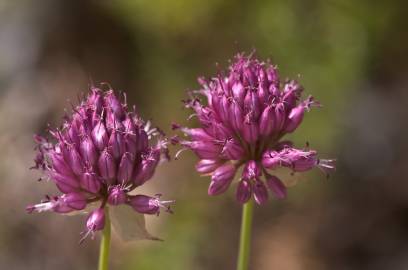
(247,112)
(101,153)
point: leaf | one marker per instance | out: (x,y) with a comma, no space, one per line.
(129,225)
(287,176)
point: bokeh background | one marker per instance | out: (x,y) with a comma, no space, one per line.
(351,55)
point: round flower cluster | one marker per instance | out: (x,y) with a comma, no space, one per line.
(248,111)
(100,154)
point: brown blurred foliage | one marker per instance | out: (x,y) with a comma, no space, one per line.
(352,56)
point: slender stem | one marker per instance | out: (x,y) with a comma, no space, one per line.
(105,243)
(245,237)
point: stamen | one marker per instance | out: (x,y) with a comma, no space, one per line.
(176,156)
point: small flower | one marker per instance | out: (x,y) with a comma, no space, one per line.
(149,205)
(95,221)
(247,113)
(101,153)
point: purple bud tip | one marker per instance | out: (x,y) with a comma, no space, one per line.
(96,220)
(117,195)
(150,205)
(71,201)
(221,179)
(251,170)
(207,165)
(244,191)
(260,192)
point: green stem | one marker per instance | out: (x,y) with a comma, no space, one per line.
(245,237)
(105,243)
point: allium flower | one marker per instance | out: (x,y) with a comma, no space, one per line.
(100,154)
(247,113)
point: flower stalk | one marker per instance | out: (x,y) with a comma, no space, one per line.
(105,243)
(245,237)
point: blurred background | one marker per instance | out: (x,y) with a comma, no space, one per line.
(351,55)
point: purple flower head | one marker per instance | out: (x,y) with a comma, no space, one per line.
(244,116)
(101,153)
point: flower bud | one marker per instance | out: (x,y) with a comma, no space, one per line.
(250,130)
(271,159)
(114,104)
(244,191)
(251,170)
(280,115)
(301,161)
(149,205)
(267,121)
(59,165)
(218,130)
(274,90)
(221,179)
(125,168)
(90,182)
(130,140)
(233,149)
(145,170)
(88,151)
(117,195)
(145,204)
(142,141)
(107,167)
(249,76)
(239,93)
(216,103)
(291,93)
(129,125)
(65,183)
(112,122)
(224,108)
(263,93)
(207,165)
(197,134)
(116,144)
(100,136)
(74,160)
(252,104)
(295,118)
(272,75)
(96,220)
(305,164)
(72,135)
(204,149)
(95,100)
(276,186)
(260,192)
(63,204)
(70,202)
(236,116)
